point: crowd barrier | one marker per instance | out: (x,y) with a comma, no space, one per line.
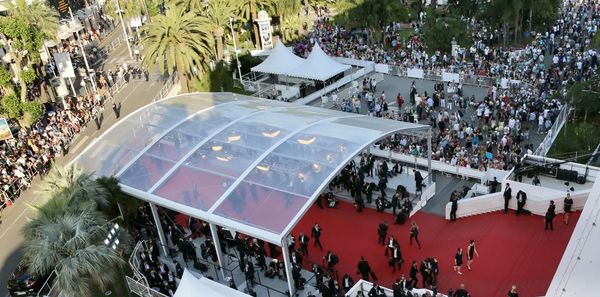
(442,166)
(166,87)
(337,85)
(364,287)
(538,200)
(551,135)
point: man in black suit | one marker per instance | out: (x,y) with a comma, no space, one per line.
(363,268)
(550,214)
(399,287)
(494,185)
(304,243)
(413,275)
(376,291)
(382,232)
(316,234)
(418,180)
(507,197)
(521,200)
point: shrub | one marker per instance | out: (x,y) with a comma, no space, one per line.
(33,111)
(11,105)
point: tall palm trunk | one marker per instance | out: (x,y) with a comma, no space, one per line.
(218,33)
(183,79)
(254,24)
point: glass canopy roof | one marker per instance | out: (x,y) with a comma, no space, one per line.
(245,163)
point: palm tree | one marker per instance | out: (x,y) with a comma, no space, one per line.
(44,19)
(283,8)
(249,13)
(71,244)
(178,40)
(42,16)
(78,189)
(218,19)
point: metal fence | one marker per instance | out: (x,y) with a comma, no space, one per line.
(551,135)
(167,87)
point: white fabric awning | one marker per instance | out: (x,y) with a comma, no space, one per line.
(318,66)
(190,286)
(280,61)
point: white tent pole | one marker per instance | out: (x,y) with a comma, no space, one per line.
(213,231)
(287,264)
(161,234)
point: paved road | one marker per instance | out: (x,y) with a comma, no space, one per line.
(133,96)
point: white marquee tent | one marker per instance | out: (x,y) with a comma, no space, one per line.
(280,61)
(191,286)
(318,66)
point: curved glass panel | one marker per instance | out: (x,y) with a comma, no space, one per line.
(223,158)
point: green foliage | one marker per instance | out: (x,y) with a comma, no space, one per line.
(596,40)
(579,137)
(5,77)
(439,31)
(585,96)
(218,80)
(24,36)
(33,110)
(68,230)
(11,105)
(371,13)
(28,76)
(247,61)
(178,40)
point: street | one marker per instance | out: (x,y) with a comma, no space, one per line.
(133,96)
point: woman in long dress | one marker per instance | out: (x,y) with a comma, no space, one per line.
(458,260)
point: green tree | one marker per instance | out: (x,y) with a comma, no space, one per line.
(359,13)
(26,26)
(249,12)
(585,96)
(6,79)
(33,110)
(178,40)
(12,106)
(67,233)
(219,13)
(72,244)
(439,32)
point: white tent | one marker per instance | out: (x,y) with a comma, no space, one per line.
(318,66)
(280,61)
(191,286)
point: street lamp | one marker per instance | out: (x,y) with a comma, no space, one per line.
(87,66)
(239,66)
(112,238)
(124,30)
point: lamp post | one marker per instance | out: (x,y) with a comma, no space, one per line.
(124,30)
(112,238)
(87,65)
(239,66)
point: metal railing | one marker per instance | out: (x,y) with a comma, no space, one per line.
(166,88)
(551,135)
(141,290)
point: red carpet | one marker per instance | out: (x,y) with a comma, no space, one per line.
(513,250)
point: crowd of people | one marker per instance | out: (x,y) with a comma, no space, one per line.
(479,133)
(32,149)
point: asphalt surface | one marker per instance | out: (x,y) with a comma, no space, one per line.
(134,95)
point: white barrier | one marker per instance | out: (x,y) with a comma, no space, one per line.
(365,286)
(538,199)
(449,76)
(415,73)
(382,68)
(436,165)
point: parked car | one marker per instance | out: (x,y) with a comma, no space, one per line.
(24,283)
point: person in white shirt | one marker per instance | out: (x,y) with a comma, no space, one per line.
(540,124)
